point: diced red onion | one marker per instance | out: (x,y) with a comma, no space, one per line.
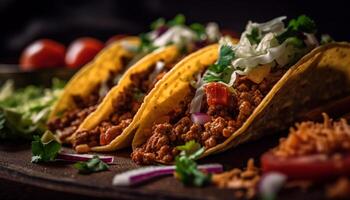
(69,157)
(200,118)
(140,175)
(270,184)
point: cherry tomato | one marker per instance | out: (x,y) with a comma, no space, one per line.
(81,51)
(314,167)
(217,94)
(44,53)
(115,38)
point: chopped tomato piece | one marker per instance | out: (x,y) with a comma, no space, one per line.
(314,167)
(217,94)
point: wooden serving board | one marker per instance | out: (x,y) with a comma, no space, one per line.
(21,179)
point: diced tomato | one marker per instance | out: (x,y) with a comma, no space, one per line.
(217,94)
(81,51)
(314,167)
(44,53)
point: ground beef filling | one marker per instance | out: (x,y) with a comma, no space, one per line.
(125,106)
(70,120)
(225,120)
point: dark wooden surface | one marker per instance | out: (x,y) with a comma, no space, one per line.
(21,179)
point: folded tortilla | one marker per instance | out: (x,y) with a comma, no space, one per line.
(167,54)
(320,76)
(94,73)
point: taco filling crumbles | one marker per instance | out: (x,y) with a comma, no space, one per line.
(224,95)
(125,106)
(70,120)
(128,102)
(187,38)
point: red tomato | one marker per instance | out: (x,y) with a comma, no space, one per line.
(115,38)
(217,94)
(81,51)
(314,167)
(42,53)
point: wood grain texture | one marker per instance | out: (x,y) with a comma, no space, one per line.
(21,179)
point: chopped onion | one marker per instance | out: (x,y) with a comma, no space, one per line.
(140,175)
(69,157)
(270,184)
(200,118)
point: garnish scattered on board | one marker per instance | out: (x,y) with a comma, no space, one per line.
(186,169)
(91,166)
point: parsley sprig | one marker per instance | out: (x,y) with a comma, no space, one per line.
(44,151)
(226,55)
(91,166)
(186,169)
(296,28)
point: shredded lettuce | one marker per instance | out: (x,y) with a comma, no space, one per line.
(269,43)
(24,112)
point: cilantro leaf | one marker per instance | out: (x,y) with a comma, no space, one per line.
(44,152)
(296,28)
(186,168)
(254,36)
(157,23)
(199,29)
(189,148)
(178,20)
(91,166)
(146,44)
(226,55)
(302,24)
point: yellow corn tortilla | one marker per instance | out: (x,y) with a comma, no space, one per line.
(320,76)
(104,110)
(93,73)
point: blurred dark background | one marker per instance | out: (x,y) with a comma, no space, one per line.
(23,21)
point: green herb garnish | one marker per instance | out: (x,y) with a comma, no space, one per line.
(186,168)
(91,166)
(254,36)
(178,20)
(199,29)
(226,55)
(44,152)
(303,24)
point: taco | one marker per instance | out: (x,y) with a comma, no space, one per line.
(223,98)
(86,90)
(110,127)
